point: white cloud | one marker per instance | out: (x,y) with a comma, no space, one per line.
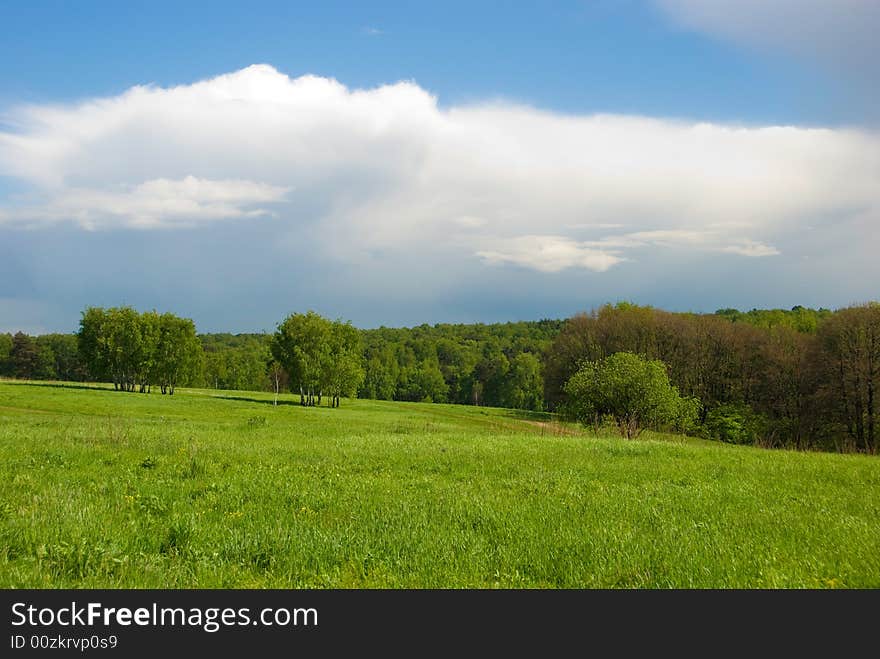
(154,204)
(751,248)
(385,171)
(709,239)
(550,254)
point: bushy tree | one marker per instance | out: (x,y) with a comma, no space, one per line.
(135,350)
(632,391)
(343,370)
(301,345)
(178,353)
(734,424)
(321,357)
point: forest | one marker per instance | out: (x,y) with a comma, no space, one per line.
(799,378)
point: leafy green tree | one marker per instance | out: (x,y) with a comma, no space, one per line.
(343,370)
(144,359)
(632,391)
(241,367)
(423,382)
(136,350)
(91,344)
(59,357)
(524,386)
(178,353)
(734,424)
(129,341)
(380,379)
(302,345)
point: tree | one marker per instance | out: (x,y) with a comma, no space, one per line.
(343,370)
(147,349)
(178,352)
(121,340)
(632,391)
(734,424)
(277,375)
(24,356)
(850,343)
(5,349)
(138,350)
(492,373)
(301,344)
(423,382)
(92,345)
(61,352)
(380,379)
(524,387)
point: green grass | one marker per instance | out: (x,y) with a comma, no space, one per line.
(221,489)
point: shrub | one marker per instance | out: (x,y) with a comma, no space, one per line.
(633,392)
(734,424)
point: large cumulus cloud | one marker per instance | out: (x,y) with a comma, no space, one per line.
(237,199)
(391,171)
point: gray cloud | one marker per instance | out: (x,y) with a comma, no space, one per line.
(840,36)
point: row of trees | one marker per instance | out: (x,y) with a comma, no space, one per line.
(136,351)
(235,361)
(810,387)
(44,357)
(799,377)
(494,365)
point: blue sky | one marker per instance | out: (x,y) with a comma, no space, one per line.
(440,162)
(577,56)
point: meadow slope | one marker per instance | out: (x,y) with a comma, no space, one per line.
(222,489)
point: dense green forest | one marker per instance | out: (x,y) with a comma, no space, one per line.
(801,377)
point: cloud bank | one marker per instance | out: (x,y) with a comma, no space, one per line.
(376,174)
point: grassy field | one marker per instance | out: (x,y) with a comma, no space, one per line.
(222,489)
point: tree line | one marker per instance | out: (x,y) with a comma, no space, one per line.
(793,383)
(805,378)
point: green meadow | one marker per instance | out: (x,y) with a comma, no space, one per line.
(104,489)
